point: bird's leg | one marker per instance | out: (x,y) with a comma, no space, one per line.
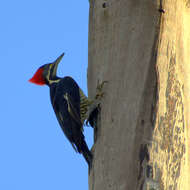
(94,107)
(99,93)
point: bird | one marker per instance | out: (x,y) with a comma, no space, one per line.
(69,103)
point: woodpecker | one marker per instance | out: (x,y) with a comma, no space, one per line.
(69,104)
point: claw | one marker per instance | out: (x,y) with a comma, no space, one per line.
(94,107)
(100,85)
(99,93)
(90,111)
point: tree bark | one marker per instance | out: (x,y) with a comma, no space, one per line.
(141,47)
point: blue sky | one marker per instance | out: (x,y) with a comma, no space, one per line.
(34,152)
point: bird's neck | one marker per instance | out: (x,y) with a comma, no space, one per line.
(51,80)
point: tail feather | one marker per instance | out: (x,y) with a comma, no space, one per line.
(79,141)
(86,153)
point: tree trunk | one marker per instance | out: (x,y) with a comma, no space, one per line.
(141,47)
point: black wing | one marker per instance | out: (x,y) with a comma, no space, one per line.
(72,109)
(65,99)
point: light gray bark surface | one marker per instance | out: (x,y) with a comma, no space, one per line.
(121,45)
(124,42)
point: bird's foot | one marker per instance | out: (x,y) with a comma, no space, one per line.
(91,115)
(94,108)
(99,88)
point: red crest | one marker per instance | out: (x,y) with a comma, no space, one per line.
(38,77)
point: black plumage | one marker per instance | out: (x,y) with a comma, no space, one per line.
(69,104)
(65,99)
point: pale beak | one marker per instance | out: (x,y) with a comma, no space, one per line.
(55,63)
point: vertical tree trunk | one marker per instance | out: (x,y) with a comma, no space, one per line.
(142,48)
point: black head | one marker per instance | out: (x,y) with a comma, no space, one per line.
(46,73)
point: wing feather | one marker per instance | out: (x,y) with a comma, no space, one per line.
(72,111)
